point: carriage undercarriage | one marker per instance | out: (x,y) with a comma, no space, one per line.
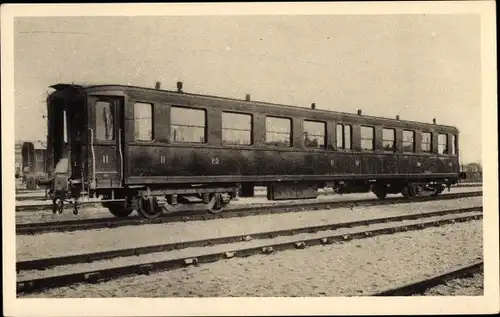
(151,203)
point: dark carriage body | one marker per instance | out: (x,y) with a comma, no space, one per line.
(111,146)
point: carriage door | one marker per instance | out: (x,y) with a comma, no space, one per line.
(107,141)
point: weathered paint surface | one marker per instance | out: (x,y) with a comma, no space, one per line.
(189,161)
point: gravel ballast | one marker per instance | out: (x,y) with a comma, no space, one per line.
(470,286)
(357,267)
(196,252)
(66,243)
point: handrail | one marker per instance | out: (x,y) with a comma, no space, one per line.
(121,154)
(93,155)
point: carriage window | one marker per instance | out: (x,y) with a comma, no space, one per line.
(367,134)
(104,121)
(143,120)
(187,125)
(314,134)
(442,143)
(65,127)
(236,128)
(408,141)
(343,136)
(426,144)
(278,131)
(389,139)
(453,145)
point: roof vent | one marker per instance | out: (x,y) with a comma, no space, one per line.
(313,106)
(359,112)
(434,120)
(179,86)
(397,117)
(247,97)
(158,85)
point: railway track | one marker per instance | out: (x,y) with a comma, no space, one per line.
(420,286)
(216,249)
(97,203)
(96,223)
(42,198)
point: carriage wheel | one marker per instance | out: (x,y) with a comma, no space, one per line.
(438,190)
(218,206)
(119,210)
(148,208)
(381,194)
(407,192)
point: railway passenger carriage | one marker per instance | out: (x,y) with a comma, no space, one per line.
(153,150)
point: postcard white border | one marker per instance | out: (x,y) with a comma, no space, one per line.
(257,306)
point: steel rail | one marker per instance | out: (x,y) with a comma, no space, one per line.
(95,276)
(42,198)
(97,256)
(422,285)
(35,207)
(97,223)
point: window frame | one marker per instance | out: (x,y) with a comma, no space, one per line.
(205,127)
(454,144)
(431,143)
(447,145)
(372,139)
(66,125)
(413,141)
(393,140)
(324,134)
(152,121)
(96,120)
(290,133)
(252,141)
(343,134)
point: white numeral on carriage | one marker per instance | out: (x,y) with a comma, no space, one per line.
(215,160)
(105,159)
(162,159)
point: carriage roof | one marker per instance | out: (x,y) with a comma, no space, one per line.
(125,88)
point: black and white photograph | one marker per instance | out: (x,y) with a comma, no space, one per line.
(251,159)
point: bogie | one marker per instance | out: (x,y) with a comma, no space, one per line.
(148,207)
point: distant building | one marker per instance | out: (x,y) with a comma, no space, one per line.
(18,154)
(30,158)
(474,172)
(472,168)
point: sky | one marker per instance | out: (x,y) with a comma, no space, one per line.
(420,66)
